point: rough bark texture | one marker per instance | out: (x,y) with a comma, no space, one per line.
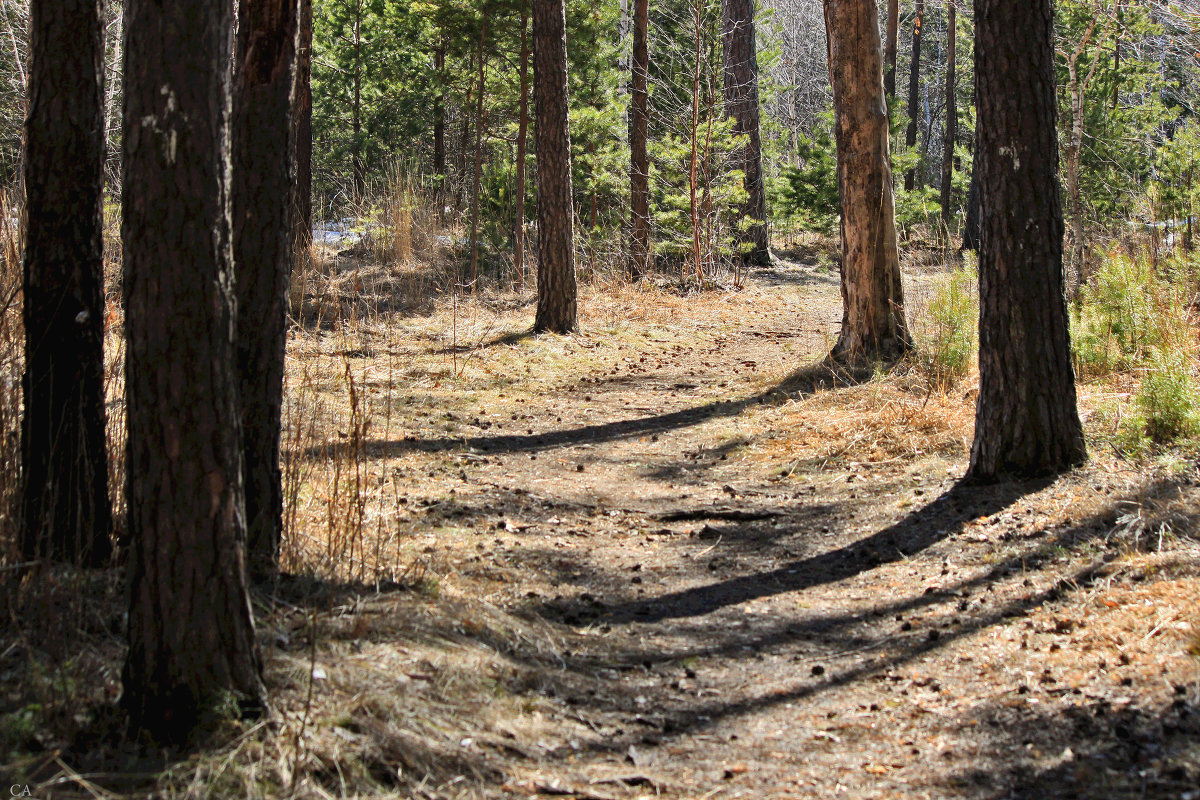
(639,159)
(914,89)
(1026,422)
(556,308)
(951,132)
(64,464)
(873,324)
(522,141)
(263,172)
(302,127)
(191,634)
(741,103)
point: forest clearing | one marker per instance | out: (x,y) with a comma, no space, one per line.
(668,556)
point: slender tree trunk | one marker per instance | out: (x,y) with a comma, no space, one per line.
(478,176)
(740,57)
(951,132)
(639,159)
(192,647)
(263,172)
(302,127)
(970,237)
(889,49)
(697,267)
(1026,421)
(873,324)
(358,166)
(914,90)
(65,513)
(439,126)
(1076,89)
(556,309)
(522,140)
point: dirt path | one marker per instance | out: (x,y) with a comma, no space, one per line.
(686,570)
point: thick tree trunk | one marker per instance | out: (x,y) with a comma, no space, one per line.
(556,308)
(191,634)
(873,324)
(914,90)
(1026,422)
(639,159)
(263,172)
(522,143)
(65,513)
(741,103)
(302,128)
(889,49)
(951,132)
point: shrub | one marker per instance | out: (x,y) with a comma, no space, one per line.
(946,331)
(1169,399)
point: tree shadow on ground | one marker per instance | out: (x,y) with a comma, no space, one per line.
(801,383)
(1098,751)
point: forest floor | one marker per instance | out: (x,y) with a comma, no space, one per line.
(667,557)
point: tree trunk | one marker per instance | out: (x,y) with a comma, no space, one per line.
(1026,422)
(64,464)
(914,90)
(302,130)
(263,172)
(889,49)
(697,267)
(639,159)
(522,140)
(556,308)
(357,164)
(951,132)
(192,648)
(439,118)
(1076,89)
(741,103)
(970,237)
(873,324)
(478,174)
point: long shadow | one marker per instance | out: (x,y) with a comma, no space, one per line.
(916,532)
(802,383)
(497,341)
(1131,752)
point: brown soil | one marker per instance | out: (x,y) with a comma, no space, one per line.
(657,559)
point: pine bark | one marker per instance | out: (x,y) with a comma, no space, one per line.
(873,326)
(951,131)
(1026,421)
(65,512)
(741,103)
(914,90)
(639,158)
(556,308)
(191,634)
(263,172)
